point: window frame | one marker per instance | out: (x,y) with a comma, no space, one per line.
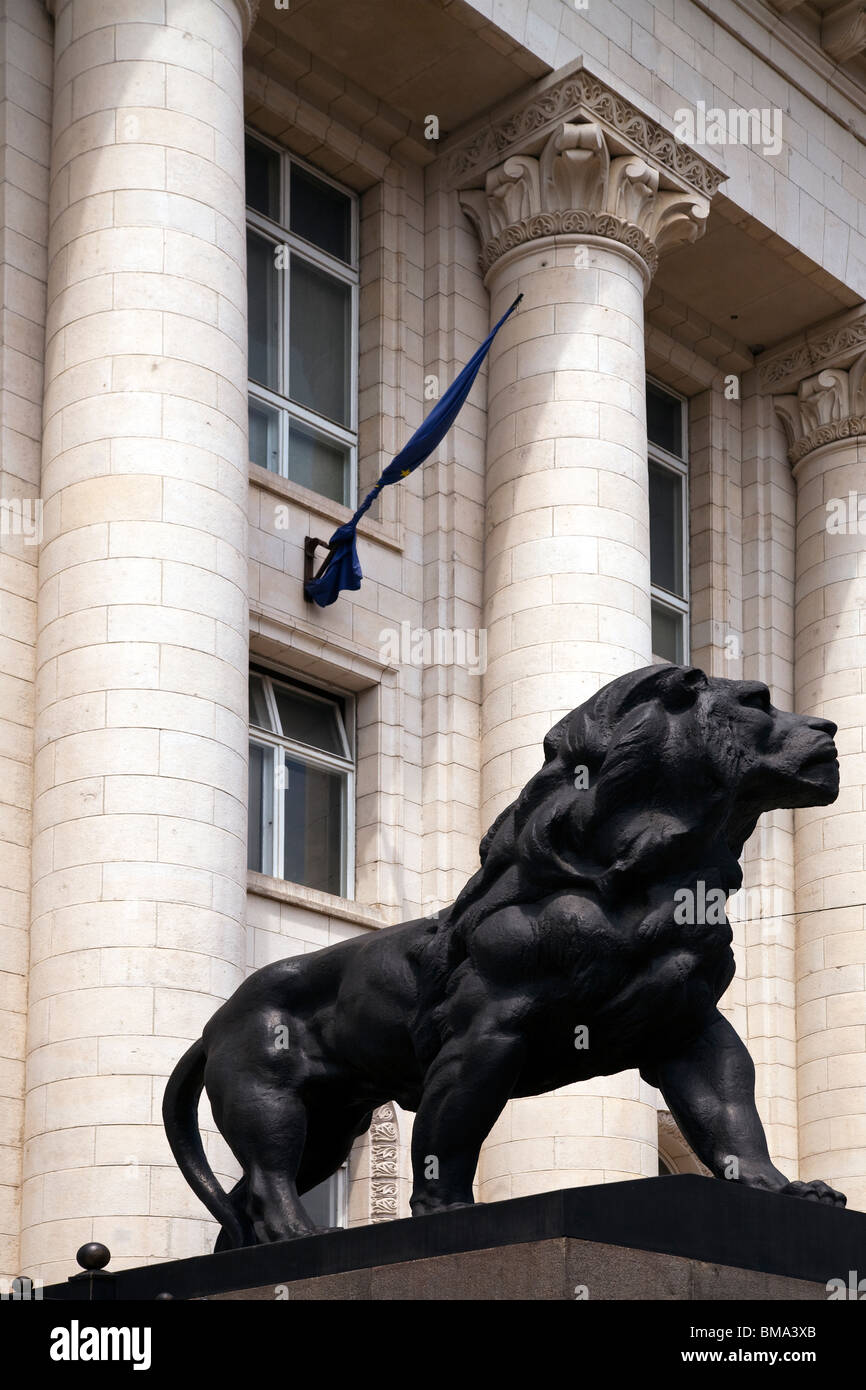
(279,234)
(313,757)
(340,1195)
(671,463)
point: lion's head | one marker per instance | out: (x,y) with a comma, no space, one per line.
(663,768)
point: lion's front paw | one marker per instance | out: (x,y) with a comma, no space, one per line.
(816,1191)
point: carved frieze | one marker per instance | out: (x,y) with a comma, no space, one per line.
(813,353)
(384,1164)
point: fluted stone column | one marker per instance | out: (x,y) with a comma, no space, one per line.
(139,858)
(826,426)
(575,226)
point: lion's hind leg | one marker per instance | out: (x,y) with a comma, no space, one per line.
(263,1119)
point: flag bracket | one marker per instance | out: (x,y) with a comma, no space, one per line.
(311,545)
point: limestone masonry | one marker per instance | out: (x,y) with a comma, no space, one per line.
(245,247)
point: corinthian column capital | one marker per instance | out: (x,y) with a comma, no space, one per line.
(829,406)
(577,183)
(575,157)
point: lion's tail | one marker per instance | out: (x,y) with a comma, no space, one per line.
(180,1117)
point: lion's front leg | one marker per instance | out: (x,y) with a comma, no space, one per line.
(465,1090)
(710,1090)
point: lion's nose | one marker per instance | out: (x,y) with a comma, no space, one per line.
(826,726)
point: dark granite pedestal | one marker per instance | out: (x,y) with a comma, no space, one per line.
(673,1238)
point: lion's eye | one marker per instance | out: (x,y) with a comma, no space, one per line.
(758,699)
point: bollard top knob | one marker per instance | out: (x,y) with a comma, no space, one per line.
(93,1255)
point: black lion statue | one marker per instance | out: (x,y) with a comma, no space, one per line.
(577,919)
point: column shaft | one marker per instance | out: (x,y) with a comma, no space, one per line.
(567,575)
(830,631)
(567,608)
(574,224)
(139,858)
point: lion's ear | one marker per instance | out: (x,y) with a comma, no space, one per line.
(680,686)
(554,737)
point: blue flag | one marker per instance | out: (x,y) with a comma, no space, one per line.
(342,568)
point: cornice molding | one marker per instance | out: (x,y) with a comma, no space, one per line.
(843,31)
(578,96)
(843,28)
(579,184)
(249,10)
(779,42)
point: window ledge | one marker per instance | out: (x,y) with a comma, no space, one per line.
(379,531)
(311,898)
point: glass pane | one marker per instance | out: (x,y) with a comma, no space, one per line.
(666,529)
(261,819)
(664,420)
(264,435)
(667,634)
(319,463)
(263,308)
(313,826)
(263,179)
(322,1202)
(314,722)
(258,705)
(319,341)
(320,214)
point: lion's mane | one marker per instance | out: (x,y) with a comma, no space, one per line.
(652,803)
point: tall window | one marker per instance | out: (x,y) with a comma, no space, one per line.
(302,285)
(301,785)
(668,501)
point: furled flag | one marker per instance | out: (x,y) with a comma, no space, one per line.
(342,568)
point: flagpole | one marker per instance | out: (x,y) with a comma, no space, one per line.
(341,567)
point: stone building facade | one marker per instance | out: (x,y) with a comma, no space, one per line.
(245,245)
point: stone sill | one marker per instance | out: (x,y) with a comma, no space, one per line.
(328,904)
(334,512)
